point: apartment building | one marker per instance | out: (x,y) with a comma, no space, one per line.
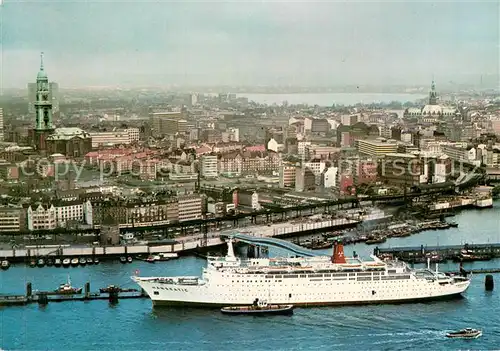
(249,199)
(287,174)
(12,218)
(402,169)
(109,138)
(70,212)
(145,214)
(165,123)
(377,148)
(190,207)
(41,217)
(249,162)
(209,166)
(459,152)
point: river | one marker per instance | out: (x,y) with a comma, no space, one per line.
(134,325)
(328,99)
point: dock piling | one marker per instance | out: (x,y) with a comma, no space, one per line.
(29,290)
(87,290)
(43,299)
(489,284)
(113,296)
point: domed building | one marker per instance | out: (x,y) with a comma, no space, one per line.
(72,142)
(432,112)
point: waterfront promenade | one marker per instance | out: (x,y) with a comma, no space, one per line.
(183,243)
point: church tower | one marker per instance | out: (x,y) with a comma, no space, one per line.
(433,94)
(43,110)
(43,104)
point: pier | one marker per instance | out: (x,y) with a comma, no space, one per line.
(457,253)
(113,294)
(181,245)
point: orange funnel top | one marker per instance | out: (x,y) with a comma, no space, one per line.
(338,253)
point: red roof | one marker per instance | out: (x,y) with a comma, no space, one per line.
(256,148)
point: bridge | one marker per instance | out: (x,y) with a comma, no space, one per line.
(282,244)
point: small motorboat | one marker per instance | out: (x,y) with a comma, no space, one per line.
(50,262)
(90,260)
(123,259)
(40,262)
(259,308)
(129,259)
(96,260)
(32,263)
(150,259)
(67,289)
(66,262)
(467,333)
(82,261)
(57,262)
(74,262)
(5,264)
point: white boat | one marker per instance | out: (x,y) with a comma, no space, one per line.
(467,333)
(309,281)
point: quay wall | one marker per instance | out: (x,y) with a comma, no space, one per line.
(188,244)
(462,203)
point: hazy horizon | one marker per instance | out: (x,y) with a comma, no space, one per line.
(108,43)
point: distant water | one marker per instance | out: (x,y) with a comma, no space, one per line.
(328,99)
(133,325)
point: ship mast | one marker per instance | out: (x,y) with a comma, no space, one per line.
(230,250)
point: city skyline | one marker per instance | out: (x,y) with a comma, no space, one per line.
(298,44)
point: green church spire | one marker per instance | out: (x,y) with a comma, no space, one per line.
(43,105)
(433,94)
(42,75)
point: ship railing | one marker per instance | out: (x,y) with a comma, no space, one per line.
(188,281)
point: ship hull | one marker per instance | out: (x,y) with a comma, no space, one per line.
(457,296)
(304,294)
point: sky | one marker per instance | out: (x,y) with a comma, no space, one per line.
(314,43)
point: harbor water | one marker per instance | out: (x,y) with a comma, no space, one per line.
(134,325)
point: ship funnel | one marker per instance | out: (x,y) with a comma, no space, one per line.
(338,253)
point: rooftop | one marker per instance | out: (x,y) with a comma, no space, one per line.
(68,133)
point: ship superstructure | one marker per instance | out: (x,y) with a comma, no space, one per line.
(302,281)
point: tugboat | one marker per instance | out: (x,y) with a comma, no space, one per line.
(467,333)
(123,259)
(259,308)
(5,264)
(67,289)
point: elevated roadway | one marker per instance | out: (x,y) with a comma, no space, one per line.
(266,241)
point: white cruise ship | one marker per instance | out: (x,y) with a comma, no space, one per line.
(311,281)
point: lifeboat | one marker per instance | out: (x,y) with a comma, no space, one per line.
(347,265)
